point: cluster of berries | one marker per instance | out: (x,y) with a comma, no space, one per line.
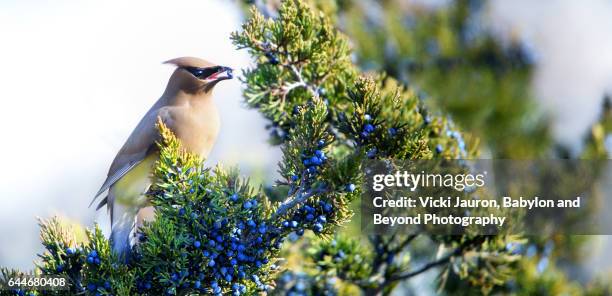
(365,134)
(368,128)
(21,292)
(385,252)
(460,142)
(226,252)
(272,59)
(301,284)
(70,252)
(94,288)
(93,258)
(143,285)
(75,262)
(311,162)
(309,217)
(268,52)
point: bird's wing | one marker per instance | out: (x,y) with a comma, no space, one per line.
(138,145)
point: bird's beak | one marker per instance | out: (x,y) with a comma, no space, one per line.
(223,74)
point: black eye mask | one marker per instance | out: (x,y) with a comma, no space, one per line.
(202,73)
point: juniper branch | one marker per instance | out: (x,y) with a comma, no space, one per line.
(421,269)
(301,197)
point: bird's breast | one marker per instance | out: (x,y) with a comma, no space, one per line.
(198,130)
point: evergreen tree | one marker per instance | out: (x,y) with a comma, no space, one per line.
(215,233)
(484,85)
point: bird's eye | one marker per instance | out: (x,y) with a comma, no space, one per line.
(201,73)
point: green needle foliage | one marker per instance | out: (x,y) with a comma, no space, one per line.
(360,117)
(448,53)
(215,234)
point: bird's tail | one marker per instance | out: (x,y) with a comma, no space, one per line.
(123,221)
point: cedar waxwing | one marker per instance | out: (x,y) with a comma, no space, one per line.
(186,107)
